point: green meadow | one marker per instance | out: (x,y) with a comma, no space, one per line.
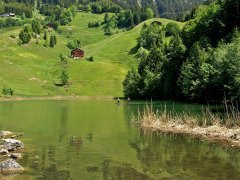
(32,69)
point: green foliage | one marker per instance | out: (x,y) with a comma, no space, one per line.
(106,17)
(100,7)
(45,35)
(131,84)
(12,22)
(7,91)
(203,66)
(108,30)
(66,17)
(24,37)
(110,24)
(51,11)
(73,44)
(28,29)
(151,35)
(63,58)
(46,43)
(53,40)
(9,22)
(207,23)
(94,24)
(74,10)
(18,9)
(64,77)
(148,13)
(36,26)
(172,29)
(26,34)
(226,63)
(195,73)
(1,9)
(90,59)
(23,16)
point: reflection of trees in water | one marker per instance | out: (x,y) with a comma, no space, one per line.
(183,157)
(52,173)
(114,170)
(46,166)
(63,121)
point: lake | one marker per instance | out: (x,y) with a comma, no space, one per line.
(95,139)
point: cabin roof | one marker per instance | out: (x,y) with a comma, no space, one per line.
(77,49)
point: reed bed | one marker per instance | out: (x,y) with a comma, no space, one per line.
(212,126)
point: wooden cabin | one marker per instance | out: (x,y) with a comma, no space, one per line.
(77,53)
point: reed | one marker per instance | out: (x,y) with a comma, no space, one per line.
(224,129)
(230,118)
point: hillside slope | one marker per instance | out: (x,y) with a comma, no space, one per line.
(32,69)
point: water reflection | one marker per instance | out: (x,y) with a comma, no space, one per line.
(63,121)
(116,170)
(96,140)
(76,142)
(52,173)
(167,156)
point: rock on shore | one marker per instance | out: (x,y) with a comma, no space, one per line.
(12,144)
(10,167)
(5,133)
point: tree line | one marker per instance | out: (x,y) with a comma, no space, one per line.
(17,8)
(199,63)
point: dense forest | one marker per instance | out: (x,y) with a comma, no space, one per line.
(201,62)
(173,9)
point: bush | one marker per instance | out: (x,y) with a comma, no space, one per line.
(94,24)
(7,91)
(73,44)
(172,29)
(24,37)
(53,41)
(131,84)
(46,43)
(64,77)
(63,58)
(26,34)
(90,59)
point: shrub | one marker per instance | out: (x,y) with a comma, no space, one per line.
(90,59)
(64,77)
(7,91)
(94,24)
(24,37)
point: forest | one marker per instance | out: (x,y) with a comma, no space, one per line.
(199,62)
(173,9)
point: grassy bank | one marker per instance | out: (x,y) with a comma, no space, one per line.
(26,98)
(225,130)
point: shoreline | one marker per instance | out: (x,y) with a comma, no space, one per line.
(229,137)
(26,98)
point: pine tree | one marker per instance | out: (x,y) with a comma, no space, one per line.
(45,35)
(52,42)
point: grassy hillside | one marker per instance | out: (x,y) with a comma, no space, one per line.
(32,69)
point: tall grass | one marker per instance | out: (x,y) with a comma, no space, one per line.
(230,118)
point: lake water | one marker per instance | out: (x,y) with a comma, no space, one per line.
(94,139)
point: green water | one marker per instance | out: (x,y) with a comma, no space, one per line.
(94,139)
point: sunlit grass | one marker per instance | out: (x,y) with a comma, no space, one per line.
(32,69)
